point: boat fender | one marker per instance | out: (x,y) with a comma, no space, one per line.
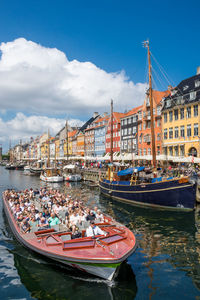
(183,180)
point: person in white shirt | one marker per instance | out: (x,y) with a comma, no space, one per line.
(94,230)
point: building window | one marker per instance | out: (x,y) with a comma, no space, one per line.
(176,150)
(182,113)
(149,124)
(165,134)
(182,150)
(176,114)
(182,131)
(195,110)
(189,112)
(140,115)
(176,132)
(192,96)
(170,151)
(170,116)
(125,131)
(159,110)
(149,151)
(196,129)
(140,127)
(165,117)
(197,83)
(129,130)
(158,123)
(140,151)
(158,137)
(144,126)
(171,132)
(144,151)
(189,130)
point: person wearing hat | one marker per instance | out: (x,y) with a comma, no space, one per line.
(94,230)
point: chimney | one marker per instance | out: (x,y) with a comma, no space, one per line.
(169,88)
(198,70)
(95,114)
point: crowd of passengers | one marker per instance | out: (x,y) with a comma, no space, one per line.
(54,208)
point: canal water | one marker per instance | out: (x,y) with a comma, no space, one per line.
(166,264)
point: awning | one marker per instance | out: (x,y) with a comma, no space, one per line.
(69,167)
(130,171)
(125,172)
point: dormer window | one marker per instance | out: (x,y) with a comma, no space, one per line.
(197,83)
(168,103)
(192,96)
(185,87)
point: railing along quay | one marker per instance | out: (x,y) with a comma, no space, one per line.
(93,174)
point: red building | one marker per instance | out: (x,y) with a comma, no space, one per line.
(116,133)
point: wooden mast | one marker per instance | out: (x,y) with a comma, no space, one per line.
(111,132)
(146,44)
(66,128)
(48,150)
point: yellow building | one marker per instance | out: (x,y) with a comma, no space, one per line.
(57,147)
(181,119)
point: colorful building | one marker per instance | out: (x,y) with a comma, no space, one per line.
(100,128)
(129,131)
(116,132)
(181,119)
(144,124)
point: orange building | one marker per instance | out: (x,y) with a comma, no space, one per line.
(80,144)
(144,124)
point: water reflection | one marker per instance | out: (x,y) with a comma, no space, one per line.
(46,280)
(168,240)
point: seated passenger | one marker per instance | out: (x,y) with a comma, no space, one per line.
(75,233)
(43,224)
(25,227)
(91,216)
(94,230)
(53,220)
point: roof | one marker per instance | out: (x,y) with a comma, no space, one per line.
(72,133)
(132,112)
(183,90)
(88,123)
(159,95)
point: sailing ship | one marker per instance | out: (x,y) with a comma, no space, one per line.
(101,255)
(51,174)
(162,192)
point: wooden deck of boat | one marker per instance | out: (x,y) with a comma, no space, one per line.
(29,236)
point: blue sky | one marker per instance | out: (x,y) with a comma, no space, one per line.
(109,35)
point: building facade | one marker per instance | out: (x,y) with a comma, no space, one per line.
(144,124)
(181,119)
(129,131)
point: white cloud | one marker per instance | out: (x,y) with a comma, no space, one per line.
(23,127)
(42,80)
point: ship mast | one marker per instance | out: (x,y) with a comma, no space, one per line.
(111,132)
(48,153)
(146,45)
(66,128)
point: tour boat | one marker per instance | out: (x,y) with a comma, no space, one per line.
(51,175)
(72,177)
(100,256)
